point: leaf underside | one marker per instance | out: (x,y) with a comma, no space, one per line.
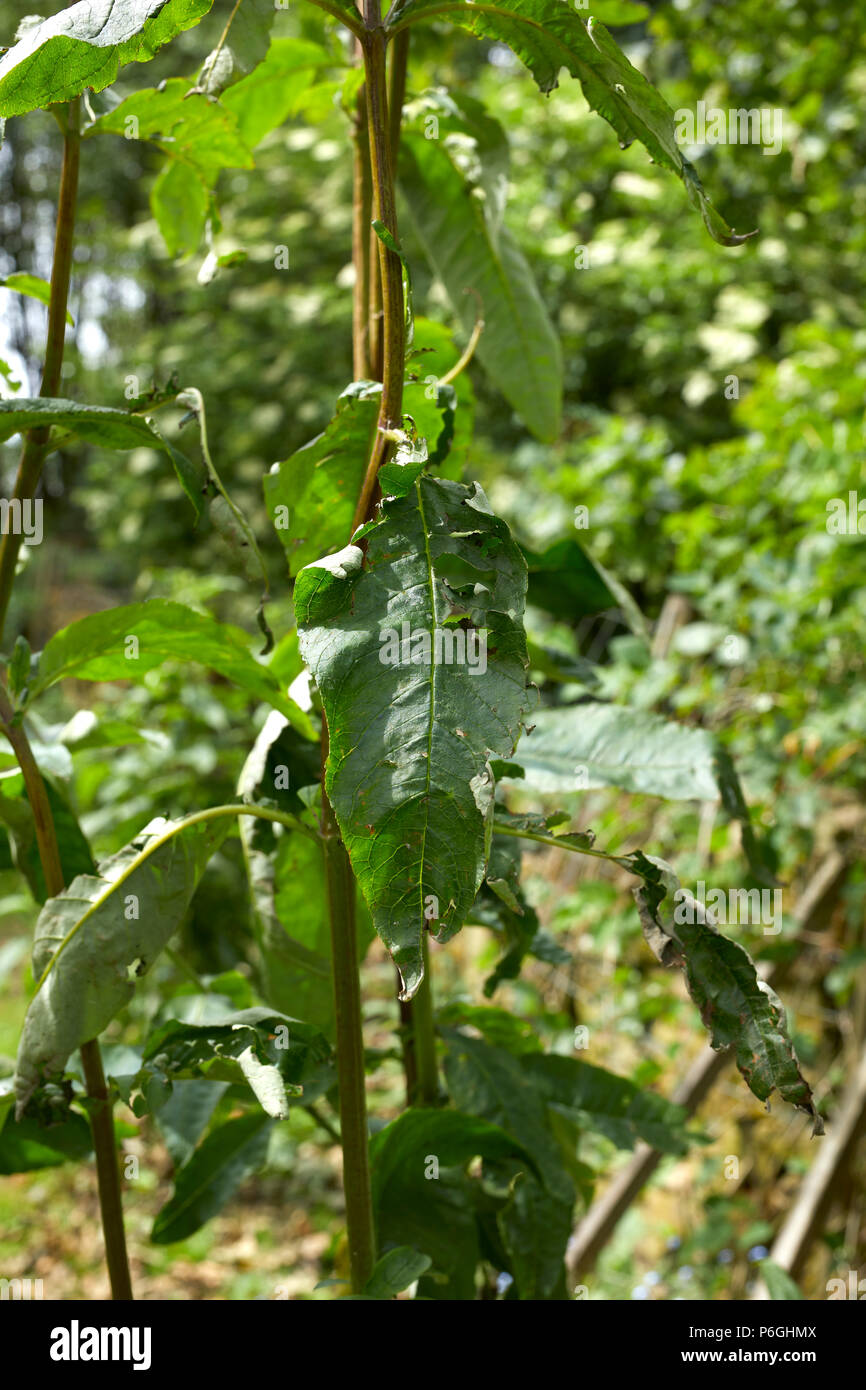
(90,938)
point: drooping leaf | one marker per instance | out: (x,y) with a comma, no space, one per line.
(739,1009)
(186,1114)
(212,1175)
(98,424)
(124,643)
(547,36)
(35,288)
(465,239)
(422,1197)
(409,704)
(25,1144)
(83,48)
(242,46)
(274,1052)
(103,931)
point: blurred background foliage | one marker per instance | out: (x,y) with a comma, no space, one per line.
(714,405)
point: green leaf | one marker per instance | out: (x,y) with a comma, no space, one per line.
(579,747)
(311,495)
(395,1271)
(547,35)
(498,1026)
(564,581)
(84,47)
(422,1198)
(25,1144)
(17,816)
(212,1175)
(582,747)
(19,665)
(492,1084)
(186,125)
(271,93)
(180,201)
(780,1286)
(101,648)
(535,1225)
(388,240)
(443,415)
(31,285)
(408,773)
(243,45)
(738,1009)
(286,873)
(459,224)
(200,137)
(6,373)
(100,928)
(98,424)
(274,1052)
(186,1115)
(608,1104)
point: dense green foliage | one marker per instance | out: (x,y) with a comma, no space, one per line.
(623,497)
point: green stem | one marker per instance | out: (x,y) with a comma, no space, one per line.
(362,214)
(36,440)
(559,842)
(397,89)
(340,882)
(100,1109)
(424,1036)
(101,1113)
(391,270)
